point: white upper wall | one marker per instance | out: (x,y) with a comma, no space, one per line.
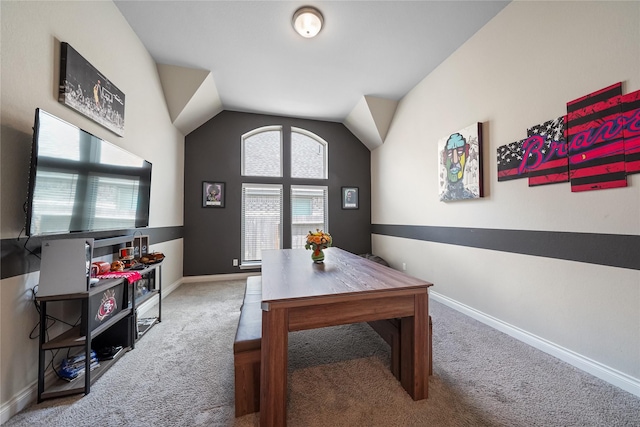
(191,96)
(520,70)
(31,36)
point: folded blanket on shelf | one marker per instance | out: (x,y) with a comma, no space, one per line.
(131,276)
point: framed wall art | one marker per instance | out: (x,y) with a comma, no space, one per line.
(89,92)
(460,164)
(140,246)
(350,198)
(213,194)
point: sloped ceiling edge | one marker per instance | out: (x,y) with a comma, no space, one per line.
(191,96)
(370,120)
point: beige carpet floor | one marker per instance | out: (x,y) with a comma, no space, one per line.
(181,374)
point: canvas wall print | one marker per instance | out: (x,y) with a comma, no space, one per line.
(594,146)
(595,138)
(631,112)
(510,160)
(460,164)
(546,152)
(86,90)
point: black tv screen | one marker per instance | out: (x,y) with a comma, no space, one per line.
(79,182)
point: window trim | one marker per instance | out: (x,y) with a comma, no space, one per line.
(285,182)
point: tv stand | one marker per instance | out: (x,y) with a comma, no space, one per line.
(120,329)
(82,336)
(142,291)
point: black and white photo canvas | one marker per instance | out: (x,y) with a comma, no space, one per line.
(86,90)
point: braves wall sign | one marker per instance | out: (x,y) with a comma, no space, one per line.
(595,146)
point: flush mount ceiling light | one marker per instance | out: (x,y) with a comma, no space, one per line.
(307,21)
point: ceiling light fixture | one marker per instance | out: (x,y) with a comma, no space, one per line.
(307,21)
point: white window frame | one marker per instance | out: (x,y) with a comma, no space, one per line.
(252,264)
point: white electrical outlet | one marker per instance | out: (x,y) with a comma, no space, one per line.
(404,266)
(235,262)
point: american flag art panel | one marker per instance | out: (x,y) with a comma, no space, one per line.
(631,113)
(547,159)
(596,145)
(509,160)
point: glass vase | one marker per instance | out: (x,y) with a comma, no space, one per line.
(318,255)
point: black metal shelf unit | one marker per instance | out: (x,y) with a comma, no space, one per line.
(82,336)
(118,329)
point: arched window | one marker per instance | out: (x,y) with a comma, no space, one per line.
(262,152)
(263,217)
(309,155)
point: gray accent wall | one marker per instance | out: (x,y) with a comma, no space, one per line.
(22,256)
(212,236)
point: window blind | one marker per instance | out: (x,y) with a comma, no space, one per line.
(309,207)
(261,220)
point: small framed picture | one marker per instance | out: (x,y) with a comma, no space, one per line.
(140,246)
(213,194)
(350,198)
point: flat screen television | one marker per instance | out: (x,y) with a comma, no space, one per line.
(79,182)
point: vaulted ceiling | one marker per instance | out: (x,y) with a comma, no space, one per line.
(246,56)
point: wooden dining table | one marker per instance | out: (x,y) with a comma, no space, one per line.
(298,294)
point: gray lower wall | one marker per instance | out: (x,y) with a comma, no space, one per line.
(212,236)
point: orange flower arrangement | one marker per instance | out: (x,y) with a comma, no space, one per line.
(318,241)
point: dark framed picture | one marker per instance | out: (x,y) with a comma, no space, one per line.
(140,246)
(350,198)
(89,92)
(213,194)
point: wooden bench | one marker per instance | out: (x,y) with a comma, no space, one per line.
(246,349)
(247,344)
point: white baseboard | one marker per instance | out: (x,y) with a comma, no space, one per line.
(218,277)
(20,401)
(29,394)
(606,373)
(24,398)
(166,290)
(143,308)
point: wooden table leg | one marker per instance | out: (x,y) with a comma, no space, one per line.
(273,371)
(414,349)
